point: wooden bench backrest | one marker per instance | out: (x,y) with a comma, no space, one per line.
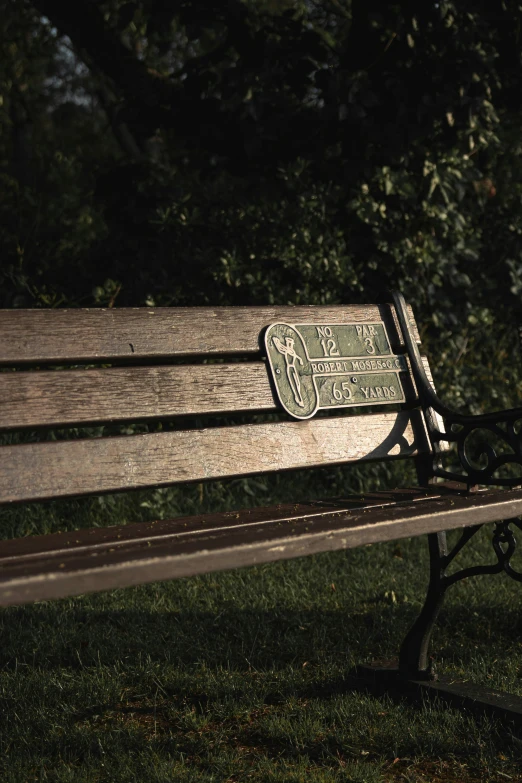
(159,370)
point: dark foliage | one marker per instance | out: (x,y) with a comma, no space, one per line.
(205,152)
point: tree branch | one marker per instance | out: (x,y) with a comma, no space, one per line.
(85,26)
(150,99)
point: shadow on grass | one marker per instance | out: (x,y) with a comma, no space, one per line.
(53,635)
(240,638)
(264,684)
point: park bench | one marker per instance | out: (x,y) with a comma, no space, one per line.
(334,384)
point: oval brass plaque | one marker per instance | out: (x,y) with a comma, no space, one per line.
(317,366)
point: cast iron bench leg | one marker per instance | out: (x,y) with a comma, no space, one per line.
(414,678)
(413,658)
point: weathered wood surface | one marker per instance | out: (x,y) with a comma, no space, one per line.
(55,544)
(53,398)
(91,560)
(47,398)
(58,336)
(76,467)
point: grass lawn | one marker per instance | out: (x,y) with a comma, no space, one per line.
(238,676)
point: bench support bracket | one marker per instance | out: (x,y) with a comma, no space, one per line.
(413,660)
(414,677)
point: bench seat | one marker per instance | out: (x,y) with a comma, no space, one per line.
(71,563)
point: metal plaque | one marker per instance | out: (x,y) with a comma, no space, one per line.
(318,366)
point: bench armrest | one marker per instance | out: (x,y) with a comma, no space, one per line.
(458,428)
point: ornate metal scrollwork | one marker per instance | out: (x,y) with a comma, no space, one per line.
(468,433)
(504,545)
(503,535)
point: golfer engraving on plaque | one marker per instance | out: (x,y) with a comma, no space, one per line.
(291,357)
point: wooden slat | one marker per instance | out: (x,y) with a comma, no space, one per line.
(32,399)
(45,470)
(17,550)
(73,563)
(51,398)
(58,336)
